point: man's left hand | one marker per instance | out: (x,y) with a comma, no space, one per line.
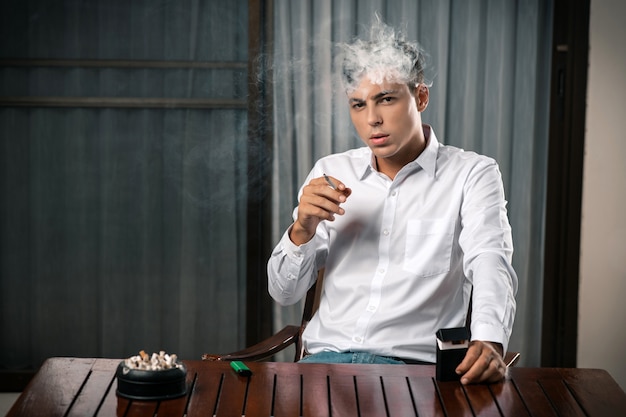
(482,363)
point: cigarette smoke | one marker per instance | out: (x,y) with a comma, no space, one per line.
(386,56)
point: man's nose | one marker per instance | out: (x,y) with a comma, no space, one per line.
(373,116)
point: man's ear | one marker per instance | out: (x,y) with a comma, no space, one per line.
(421,97)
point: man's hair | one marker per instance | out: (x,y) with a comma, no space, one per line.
(386,56)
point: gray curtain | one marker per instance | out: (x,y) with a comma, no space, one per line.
(490,65)
(122,227)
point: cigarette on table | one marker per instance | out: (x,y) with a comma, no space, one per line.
(329,181)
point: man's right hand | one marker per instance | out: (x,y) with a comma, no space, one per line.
(318,202)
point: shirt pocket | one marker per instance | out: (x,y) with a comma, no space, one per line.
(428,246)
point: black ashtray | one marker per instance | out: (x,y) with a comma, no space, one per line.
(140,384)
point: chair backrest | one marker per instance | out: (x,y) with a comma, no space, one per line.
(312,302)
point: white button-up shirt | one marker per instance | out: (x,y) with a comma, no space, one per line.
(401,262)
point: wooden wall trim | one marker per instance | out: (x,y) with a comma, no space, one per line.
(259,305)
(123,102)
(570,46)
(118,63)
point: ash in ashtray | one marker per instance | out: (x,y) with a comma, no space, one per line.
(156,377)
(156,362)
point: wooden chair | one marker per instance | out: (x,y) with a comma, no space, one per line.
(292,334)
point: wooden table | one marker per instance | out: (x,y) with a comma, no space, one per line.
(86,387)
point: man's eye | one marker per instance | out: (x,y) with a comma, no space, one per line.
(386,99)
(357,105)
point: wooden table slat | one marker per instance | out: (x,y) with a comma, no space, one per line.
(260,394)
(97,384)
(343,401)
(508,399)
(232,395)
(111,406)
(481,401)
(204,392)
(370,395)
(173,407)
(398,394)
(425,397)
(561,399)
(585,389)
(53,388)
(315,401)
(287,396)
(531,392)
(141,408)
(453,397)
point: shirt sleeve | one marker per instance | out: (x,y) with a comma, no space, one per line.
(488,249)
(291,270)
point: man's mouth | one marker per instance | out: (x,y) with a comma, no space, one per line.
(378,138)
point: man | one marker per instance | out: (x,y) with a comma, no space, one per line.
(407,229)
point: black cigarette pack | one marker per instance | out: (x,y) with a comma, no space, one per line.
(451,348)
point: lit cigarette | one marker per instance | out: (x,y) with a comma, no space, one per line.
(329,181)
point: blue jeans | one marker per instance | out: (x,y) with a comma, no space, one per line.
(350,357)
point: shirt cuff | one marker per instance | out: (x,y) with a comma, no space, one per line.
(295,252)
(490,332)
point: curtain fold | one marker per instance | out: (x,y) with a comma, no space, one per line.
(490,63)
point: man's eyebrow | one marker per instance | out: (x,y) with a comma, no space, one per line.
(376,97)
(383,93)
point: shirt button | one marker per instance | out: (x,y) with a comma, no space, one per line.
(358,339)
(393,193)
(386,232)
(371,308)
(381,270)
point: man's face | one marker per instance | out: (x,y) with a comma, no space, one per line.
(387,118)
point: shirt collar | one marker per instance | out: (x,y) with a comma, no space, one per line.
(427,159)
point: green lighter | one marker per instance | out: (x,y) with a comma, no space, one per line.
(240,368)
